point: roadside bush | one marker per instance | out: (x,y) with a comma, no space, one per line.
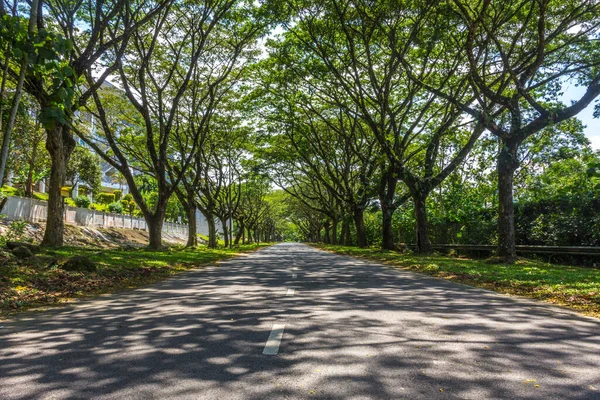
(82,201)
(118,194)
(128,205)
(105,198)
(16,230)
(115,207)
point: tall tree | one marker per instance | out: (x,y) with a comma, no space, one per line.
(171,74)
(350,54)
(520,56)
(59,55)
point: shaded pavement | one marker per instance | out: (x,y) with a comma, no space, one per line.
(353,330)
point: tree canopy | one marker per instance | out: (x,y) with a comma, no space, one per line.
(345,121)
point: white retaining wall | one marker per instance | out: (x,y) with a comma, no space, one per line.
(33,210)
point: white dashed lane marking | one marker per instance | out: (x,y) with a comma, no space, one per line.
(274,341)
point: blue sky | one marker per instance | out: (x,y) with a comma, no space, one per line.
(592,130)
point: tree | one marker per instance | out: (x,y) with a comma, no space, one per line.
(17,40)
(59,55)
(28,160)
(171,75)
(84,167)
(520,56)
(349,54)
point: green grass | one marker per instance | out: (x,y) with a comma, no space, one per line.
(574,287)
(39,281)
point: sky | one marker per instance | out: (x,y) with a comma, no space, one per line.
(592,130)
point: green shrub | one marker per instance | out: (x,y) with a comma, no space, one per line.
(118,194)
(128,205)
(115,207)
(105,198)
(82,201)
(16,230)
(128,197)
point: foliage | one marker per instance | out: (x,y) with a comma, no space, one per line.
(115,207)
(84,167)
(83,201)
(105,198)
(16,230)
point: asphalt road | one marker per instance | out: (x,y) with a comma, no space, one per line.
(342,329)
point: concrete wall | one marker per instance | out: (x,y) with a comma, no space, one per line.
(33,210)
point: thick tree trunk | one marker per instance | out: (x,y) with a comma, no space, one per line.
(359,222)
(239,234)
(155,225)
(212,231)
(192,229)
(423,243)
(60,145)
(506,167)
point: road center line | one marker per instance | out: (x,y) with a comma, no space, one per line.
(272,346)
(290,292)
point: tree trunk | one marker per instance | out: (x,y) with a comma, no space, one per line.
(239,234)
(155,225)
(327,232)
(423,243)
(359,221)
(60,145)
(387,191)
(192,229)
(506,167)
(334,228)
(225,230)
(346,238)
(212,232)
(387,210)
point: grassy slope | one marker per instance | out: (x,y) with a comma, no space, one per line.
(574,287)
(39,281)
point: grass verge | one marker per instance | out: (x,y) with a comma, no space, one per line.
(39,281)
(574,287)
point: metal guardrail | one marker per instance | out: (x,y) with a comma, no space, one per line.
(560,250)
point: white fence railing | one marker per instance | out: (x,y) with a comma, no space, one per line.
(33,210)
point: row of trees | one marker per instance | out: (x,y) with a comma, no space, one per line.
(355,105)
(170,114)
(386,100)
